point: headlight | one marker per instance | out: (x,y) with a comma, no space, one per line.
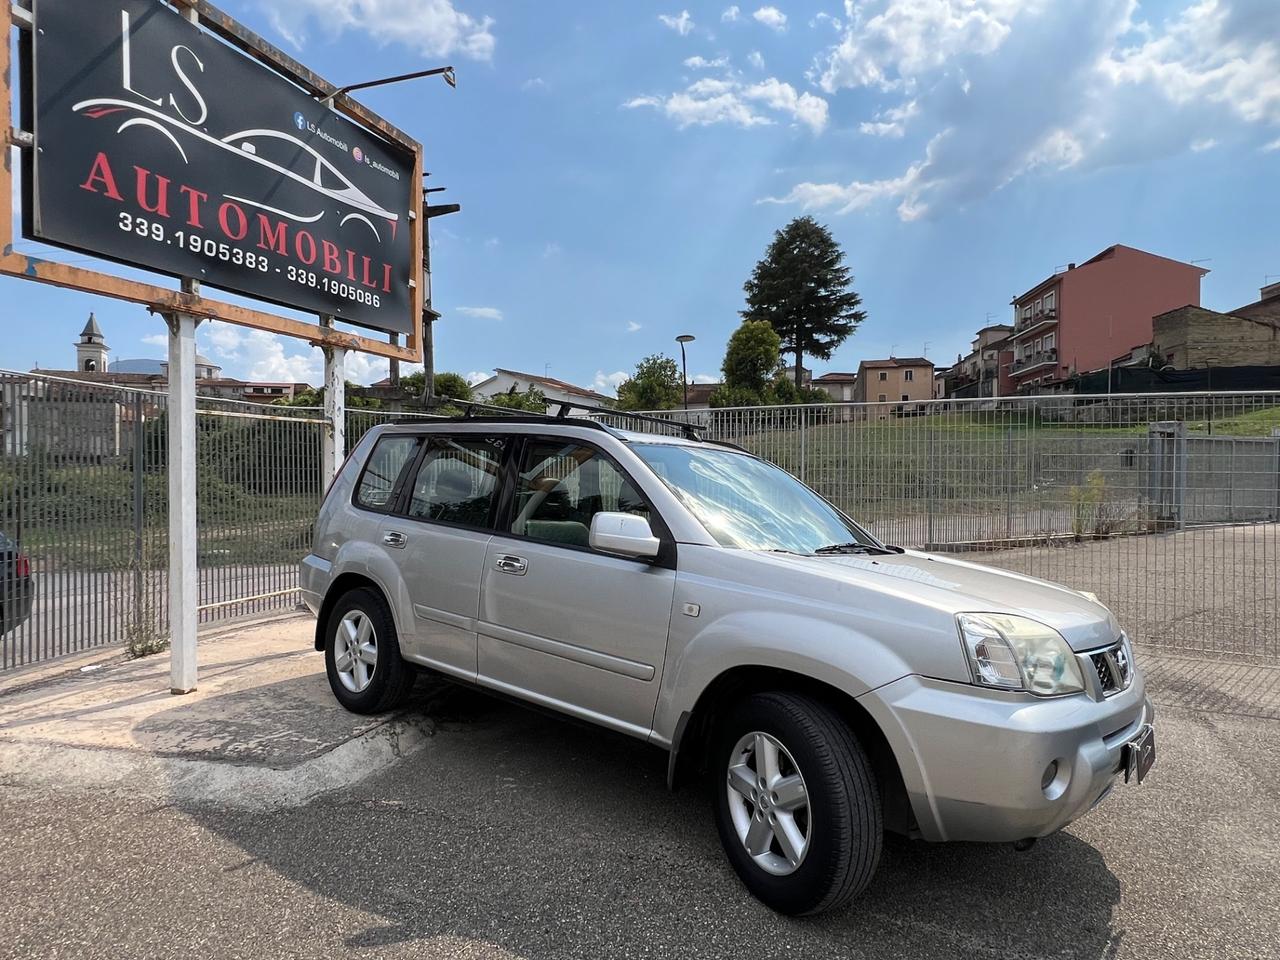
(1014,653)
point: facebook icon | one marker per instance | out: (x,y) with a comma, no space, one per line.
(300,121)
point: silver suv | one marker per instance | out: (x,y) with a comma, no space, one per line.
(690,594)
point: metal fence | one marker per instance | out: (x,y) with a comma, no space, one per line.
(1166,506)
(84,496)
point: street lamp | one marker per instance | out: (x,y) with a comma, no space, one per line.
(684,365)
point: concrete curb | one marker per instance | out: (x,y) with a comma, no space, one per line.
(211,782)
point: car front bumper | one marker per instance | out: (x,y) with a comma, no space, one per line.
(974,761)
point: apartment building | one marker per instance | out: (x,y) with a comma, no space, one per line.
(893,382)
(1078,320)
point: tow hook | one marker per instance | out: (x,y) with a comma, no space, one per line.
(1025,844)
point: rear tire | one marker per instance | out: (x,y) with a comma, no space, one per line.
(362,655)
(796,803)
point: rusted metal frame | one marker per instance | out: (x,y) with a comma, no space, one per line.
(163,300)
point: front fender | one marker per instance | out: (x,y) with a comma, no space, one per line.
(834,654)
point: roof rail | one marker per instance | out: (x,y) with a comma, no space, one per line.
(491,412)
(687,430)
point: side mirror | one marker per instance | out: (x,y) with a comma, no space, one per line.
(623,534)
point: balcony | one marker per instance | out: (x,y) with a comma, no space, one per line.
(1031,361)
(1044,320)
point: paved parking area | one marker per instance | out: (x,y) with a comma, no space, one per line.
(504,833)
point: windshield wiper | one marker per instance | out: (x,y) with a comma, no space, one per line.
(834,548)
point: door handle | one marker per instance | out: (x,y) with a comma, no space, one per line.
(394,538)
(516,566)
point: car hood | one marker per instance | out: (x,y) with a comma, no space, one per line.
(956,586)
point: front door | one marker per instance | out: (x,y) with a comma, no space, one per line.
(563,624)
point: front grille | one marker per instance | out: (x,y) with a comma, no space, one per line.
(1105,678)
(1113,667)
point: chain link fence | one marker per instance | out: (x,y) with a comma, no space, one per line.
(1166,506)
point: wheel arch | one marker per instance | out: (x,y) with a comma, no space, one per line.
(695,727)
(341,586)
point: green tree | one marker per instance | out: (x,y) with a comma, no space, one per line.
(531,400)
(803,289)
(655,386)
(752,358)
(449,386)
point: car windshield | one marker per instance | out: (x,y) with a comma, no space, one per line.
(749,503)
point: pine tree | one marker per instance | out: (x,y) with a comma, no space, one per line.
(803,289)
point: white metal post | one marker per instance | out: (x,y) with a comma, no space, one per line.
(335,409)
(184,595)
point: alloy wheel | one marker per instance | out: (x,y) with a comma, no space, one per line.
(355,650)
(769,803)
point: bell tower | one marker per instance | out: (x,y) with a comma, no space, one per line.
(91,349)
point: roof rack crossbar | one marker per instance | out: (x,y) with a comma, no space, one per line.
(563,408)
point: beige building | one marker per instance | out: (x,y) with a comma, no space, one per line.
(893,382)
(1193,338)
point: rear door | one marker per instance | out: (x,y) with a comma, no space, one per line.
(560,623)
(442,526)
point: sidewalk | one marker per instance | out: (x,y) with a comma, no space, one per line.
(262,728)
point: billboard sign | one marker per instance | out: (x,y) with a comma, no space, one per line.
(161,147)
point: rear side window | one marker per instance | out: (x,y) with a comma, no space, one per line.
(378,483)
(456,480)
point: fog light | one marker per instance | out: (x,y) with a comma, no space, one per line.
(1047,777)
(1054,780)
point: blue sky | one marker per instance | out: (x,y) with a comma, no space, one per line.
(622,166)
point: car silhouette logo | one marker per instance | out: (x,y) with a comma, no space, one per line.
(316,173)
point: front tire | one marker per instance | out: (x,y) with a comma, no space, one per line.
(796,803)
(362,655)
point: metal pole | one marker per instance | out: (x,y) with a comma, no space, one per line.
(335,409)
(684,376)
(183,576)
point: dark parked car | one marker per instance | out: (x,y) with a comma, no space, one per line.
(16,586)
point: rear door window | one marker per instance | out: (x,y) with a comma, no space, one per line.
(381,477)
(457,480)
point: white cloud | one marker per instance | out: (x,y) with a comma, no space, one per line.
(492,243)
(908,37)
(633,327)
(609,382)
(552,249)
(710,101)
(681,23)
(892,122)
(968,72)
(771,17)
(730,14)
(702,63)
(478,376)
(705,378)
(156,340)
(825,17)
(534,83)
(1203,144)
(1272,146)
(756,59)
(430,27)
(804,107)
(480,313)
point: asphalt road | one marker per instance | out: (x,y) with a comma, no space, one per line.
(512,834)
